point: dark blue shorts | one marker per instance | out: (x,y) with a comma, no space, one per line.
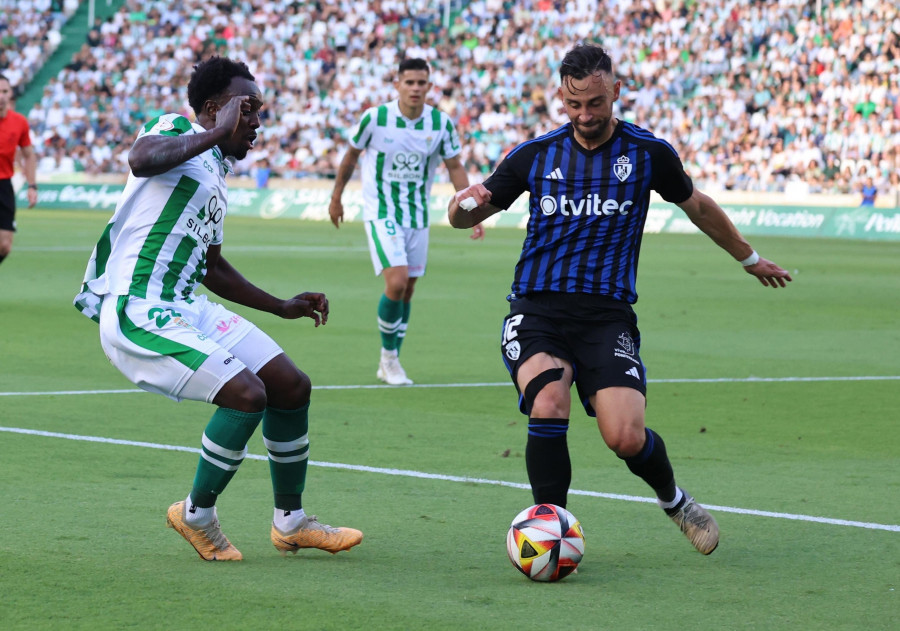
(596,334)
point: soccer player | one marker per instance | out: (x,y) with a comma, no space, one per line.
(163,241)
(403,140)
(14,134)
(571,318)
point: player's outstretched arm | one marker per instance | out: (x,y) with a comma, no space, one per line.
(226,282)
(707,215)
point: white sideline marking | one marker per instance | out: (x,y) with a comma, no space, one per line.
(455,478)
(499,384)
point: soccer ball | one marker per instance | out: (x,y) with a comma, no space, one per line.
(545,542)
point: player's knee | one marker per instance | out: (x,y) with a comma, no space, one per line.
(245,393)
(624,442)
(300,390)
(395,289)
(396,282)
(252,399)
(5,248)
(546,402)
(289,389)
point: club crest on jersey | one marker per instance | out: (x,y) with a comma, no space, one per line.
(513,349)
(622,168)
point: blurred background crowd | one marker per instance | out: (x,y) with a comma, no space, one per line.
(756,95)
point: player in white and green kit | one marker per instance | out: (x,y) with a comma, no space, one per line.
(402,143)
(163,241)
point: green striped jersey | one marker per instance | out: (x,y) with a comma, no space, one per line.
(400,159)
(155,244)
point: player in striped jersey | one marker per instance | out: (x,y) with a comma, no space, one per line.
(571,319)
(402,144)
(163,241)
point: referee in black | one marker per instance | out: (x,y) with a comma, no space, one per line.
(571,317)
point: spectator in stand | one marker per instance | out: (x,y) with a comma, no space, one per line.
(29,34)
(869,192)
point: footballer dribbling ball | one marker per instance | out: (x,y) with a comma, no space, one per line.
(545,542)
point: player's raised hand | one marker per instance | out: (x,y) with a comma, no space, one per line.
(768,273)
(309,304)
(229,115)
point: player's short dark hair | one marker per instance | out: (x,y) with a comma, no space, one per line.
(584,60)
(4,78)
(212,77)
(413,63)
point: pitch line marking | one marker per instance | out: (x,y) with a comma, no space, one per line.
(498,384)
(407,473)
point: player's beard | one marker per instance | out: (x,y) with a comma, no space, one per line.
(592,132)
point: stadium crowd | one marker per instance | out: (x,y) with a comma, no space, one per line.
(755,95)
(29,34)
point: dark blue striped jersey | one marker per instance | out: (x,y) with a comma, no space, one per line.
(587,208)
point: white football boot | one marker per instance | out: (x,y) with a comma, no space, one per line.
(390,371)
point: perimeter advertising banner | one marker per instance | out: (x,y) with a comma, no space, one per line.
(312,204)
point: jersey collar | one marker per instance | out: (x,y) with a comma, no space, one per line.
(395,104)
(226,162)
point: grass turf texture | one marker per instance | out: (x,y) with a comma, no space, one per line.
(83,543)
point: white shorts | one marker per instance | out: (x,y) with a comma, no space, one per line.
(392,245)
(178,349)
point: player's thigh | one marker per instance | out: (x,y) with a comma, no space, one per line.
(545,382)
(620,418)
(286,386)
(159,348)
(532,347)
(416,251)
(233,332)
(387,244)
(607,355)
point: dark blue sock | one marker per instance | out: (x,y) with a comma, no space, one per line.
(653,467)
(547,460)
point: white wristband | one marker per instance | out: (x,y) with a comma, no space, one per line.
(753,259)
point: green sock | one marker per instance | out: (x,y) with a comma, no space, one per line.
(286,435)
(404,321)
(224,447)
(390,319)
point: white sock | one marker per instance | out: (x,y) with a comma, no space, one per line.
(198,516)
(288,520)
(674,502)
(386,354)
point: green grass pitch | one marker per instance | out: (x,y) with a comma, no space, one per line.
(777,406)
